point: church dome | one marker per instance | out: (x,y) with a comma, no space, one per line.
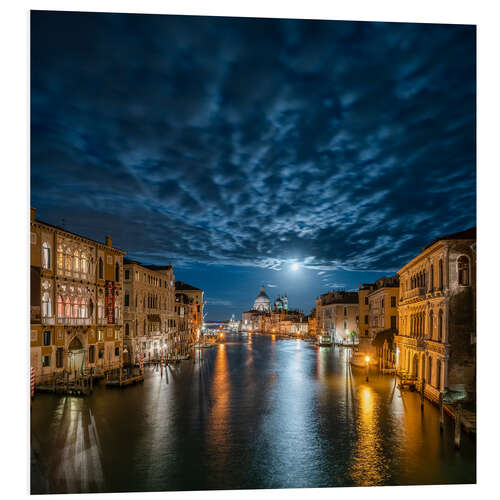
(262,302)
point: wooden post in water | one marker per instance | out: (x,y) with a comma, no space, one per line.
(441,412)
(422,394)
(458,424)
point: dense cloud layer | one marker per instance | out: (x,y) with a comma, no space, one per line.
(344,145)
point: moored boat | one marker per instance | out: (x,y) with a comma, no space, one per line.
(325,341)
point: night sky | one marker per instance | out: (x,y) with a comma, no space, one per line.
(233,147)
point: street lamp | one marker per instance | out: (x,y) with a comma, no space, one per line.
(367,359)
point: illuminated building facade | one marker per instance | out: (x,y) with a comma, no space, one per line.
(76,302)
(337,314)
(198,301)
(437,326)
(150,323)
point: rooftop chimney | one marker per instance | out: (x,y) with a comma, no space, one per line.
(109,241)
(32,215)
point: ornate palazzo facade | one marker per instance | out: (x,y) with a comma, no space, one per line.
(436,338)
(150,322)
(76,312)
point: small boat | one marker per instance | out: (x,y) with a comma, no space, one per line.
(325,341)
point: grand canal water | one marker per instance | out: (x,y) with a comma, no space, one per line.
(257,413)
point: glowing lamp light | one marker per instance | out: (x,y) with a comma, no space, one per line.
(367,359)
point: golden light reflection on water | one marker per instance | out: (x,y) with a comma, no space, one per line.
(368,467)
(221,391)
(321,361)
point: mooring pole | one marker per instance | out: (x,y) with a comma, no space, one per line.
(458,424)
(422,394)
(441,412)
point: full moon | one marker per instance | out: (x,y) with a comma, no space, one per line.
(295,266)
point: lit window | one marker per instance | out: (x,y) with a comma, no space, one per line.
(67,308)
(46,305)
(60,258)
(83,308)
(46,255)
(68,259)
(84,265)
(76,261)
(75,308)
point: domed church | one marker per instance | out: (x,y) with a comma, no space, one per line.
(262,302)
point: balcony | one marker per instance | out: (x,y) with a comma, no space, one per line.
(74,321)
(415,292)
(48,320)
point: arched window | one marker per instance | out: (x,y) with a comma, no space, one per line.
(431,285)
(91,308)
(440,326)
(60,307)
(429,370)
(46,305)
(68,259)
(84,266)
(67,307)
(431,325)
(438,375)
(463,271)
(127,299)
(76,261)
(440,277)
(75,308)
(100,308)
(46,255)
(117,272)
(101,269)
(60,257)
(91,265)
(83,308)
(127,330)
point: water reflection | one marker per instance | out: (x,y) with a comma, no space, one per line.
(368,467)
(219,428)
(256,413)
